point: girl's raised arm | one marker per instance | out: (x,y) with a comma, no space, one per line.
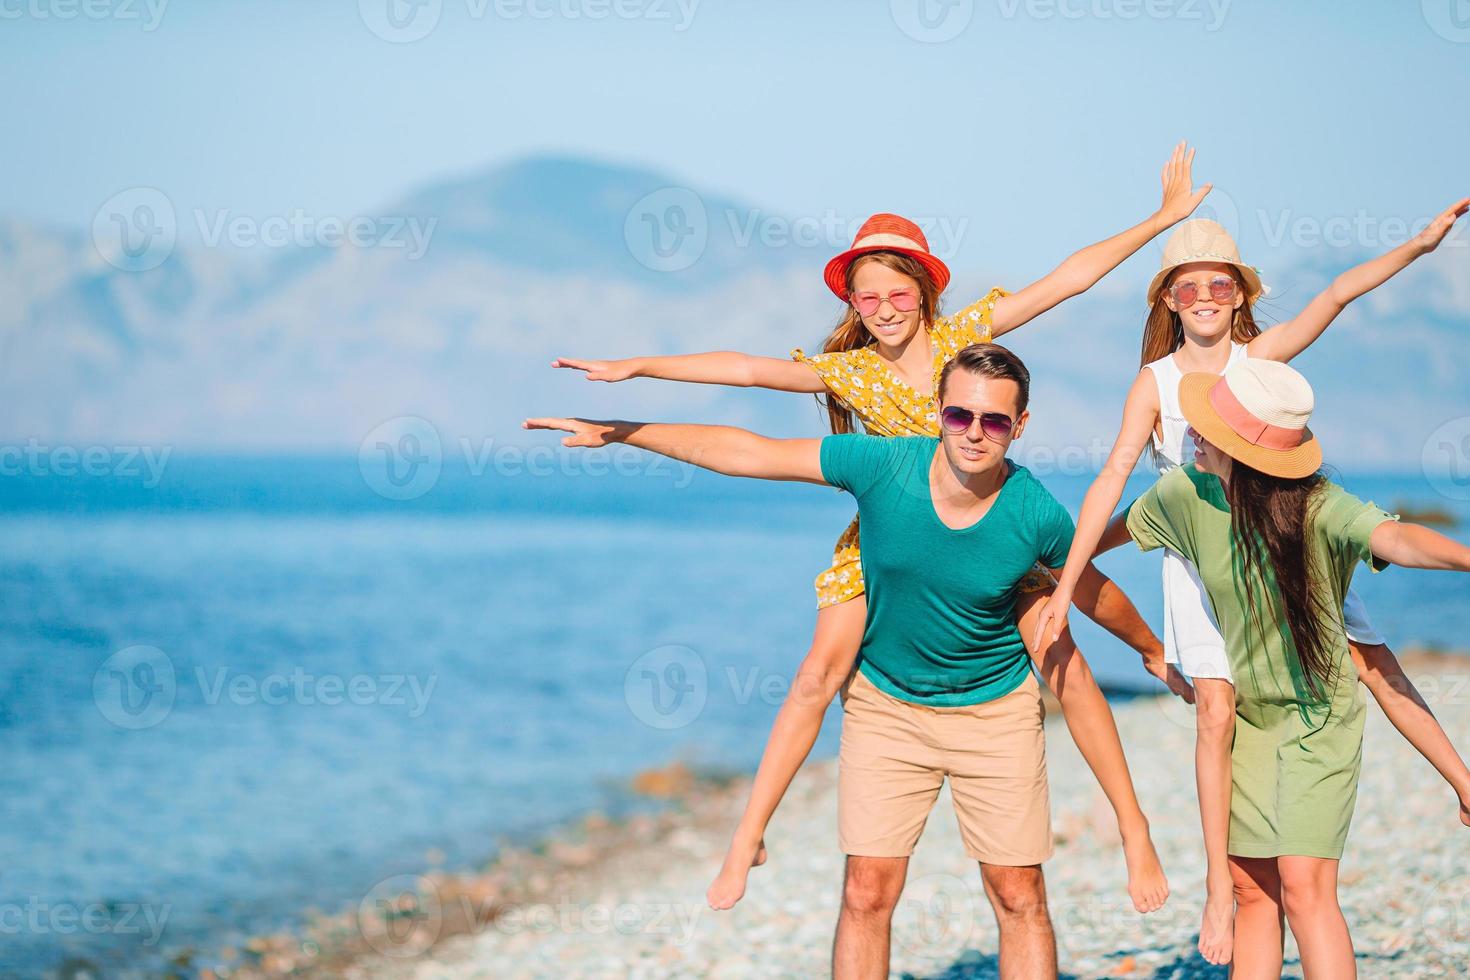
(1139,414)
(1081,270)
(715,368)
(1287,340)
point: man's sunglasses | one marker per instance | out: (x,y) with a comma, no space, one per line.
(995,425)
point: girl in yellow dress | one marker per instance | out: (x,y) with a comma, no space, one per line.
(881,363)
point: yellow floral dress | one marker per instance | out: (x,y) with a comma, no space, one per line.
(889,406)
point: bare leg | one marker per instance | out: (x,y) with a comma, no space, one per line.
(1028,945)
(1400,700)
(1260,929)
(1091,723)
(870,890)
(834,649)
(1214,709)
(1309,894)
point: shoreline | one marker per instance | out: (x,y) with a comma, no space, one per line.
(565,888)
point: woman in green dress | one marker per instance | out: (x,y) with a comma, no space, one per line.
(1276,544)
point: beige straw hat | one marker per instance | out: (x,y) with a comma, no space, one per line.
(1203,240)
(1256,412)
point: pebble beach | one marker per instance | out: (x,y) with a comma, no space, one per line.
(601,899)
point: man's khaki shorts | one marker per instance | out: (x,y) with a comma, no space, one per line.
(895,755)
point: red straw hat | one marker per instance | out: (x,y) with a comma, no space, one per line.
(886,233)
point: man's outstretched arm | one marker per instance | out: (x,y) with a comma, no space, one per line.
(721,448)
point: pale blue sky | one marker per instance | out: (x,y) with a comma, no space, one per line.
(1046,131)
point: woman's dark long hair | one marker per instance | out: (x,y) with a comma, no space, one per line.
(1270,520)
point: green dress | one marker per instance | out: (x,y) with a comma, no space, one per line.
(1296,757)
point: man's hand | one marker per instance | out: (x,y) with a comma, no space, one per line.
(1173,680)
(584,433)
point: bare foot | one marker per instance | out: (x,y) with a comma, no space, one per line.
(1147,885)
(729,885)
(1465,813)
(1217,928)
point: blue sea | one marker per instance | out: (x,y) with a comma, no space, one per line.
(260,685)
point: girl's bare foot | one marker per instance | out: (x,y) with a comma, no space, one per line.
(1147,885)
(729,885)
(1217,928)
(1465,813)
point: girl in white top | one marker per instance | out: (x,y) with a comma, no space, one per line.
(1200,319)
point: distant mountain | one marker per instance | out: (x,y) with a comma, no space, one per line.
(313,348)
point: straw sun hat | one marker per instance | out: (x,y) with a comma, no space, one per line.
(886,233)
(1256,412)
(1202,240)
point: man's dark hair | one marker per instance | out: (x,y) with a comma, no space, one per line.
(990,361)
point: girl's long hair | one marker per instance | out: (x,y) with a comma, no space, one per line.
(1270,520)
(1163,334)
(850,334)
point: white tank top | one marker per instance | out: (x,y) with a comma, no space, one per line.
(1169,451)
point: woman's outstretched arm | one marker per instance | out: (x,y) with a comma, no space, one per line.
(723,367)
(1139,414)
(1080,271)
(1384,677)
(1416,546)
(1286,340)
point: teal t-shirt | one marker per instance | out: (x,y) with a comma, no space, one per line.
(941,602)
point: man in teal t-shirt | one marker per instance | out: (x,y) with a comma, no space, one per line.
(944,688)
(941,627)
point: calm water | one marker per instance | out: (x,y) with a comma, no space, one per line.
(260,686)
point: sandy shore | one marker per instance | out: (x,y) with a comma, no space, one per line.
(627,900)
